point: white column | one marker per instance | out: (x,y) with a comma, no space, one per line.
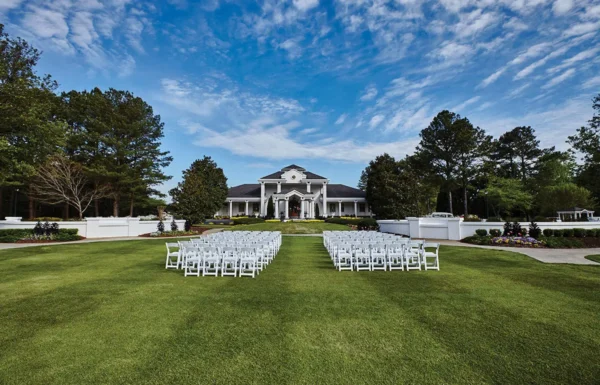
(307,186)
(246,208)
(278,187)
(302,209)
(287,209)
(325,208)
(262,199)
(340,208)
(355,209)
(276,207)
(230,209)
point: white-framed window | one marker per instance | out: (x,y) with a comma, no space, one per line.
(332,208)
(242,207)
(255,207)
(343,207)
(362,207)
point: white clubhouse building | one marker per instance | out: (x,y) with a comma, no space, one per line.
(296,193)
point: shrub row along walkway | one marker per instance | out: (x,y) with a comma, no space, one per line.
(574,256)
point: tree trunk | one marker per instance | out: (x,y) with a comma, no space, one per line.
(465,203)
(131,206)
(66,212)
(116,207)
(31,208)
(450,201)
(96,208)
(1,203)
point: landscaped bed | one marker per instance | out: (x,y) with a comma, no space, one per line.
(110,313)
(42,233)
(555,239)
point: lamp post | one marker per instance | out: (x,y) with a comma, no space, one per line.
(16,200)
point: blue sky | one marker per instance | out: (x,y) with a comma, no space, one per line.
(324,84)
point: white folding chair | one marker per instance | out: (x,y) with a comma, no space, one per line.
(210,264)
(192,261)
(378,258)
(395,257)
(412,256)
(362,259)
(173,255)
(431,252)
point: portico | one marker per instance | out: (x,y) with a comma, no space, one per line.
(296,193)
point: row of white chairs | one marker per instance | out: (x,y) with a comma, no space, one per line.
(371,251)
(226,254)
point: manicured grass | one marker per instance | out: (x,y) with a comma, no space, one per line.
(291,227)
(109,313)
(595,258)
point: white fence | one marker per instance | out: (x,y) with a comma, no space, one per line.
(98,227)
(456,229)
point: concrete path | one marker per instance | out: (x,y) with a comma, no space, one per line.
(573,256)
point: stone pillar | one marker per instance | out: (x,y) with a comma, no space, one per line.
(339,208)
(230,209)
(246,208)
(287,209)
(355,209)
(325,208)
(262,200)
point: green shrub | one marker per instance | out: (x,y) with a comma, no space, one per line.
(568,233)
(247,221)
(558,232)
(47,219)
(344,221)
(563,243)
(368,224)
(495,219)
(9,239)
(16,232)
(539,218)
(548,232)
(590,233)
(481,232)
(477,240)
(579,233)
(69,231)
(597,233)
(534,230)
(66,237)
(495,232)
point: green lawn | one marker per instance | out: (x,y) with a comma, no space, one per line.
(109,313)
(595,258)
(291,227)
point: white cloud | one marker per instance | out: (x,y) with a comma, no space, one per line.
(270,140)
(518,91)
(592,82)
(134,33)
(341,119)
(561,7)
(370,93)
(581,29)
(559,79)
(583,55)
(293,47)
(305,5)
(492,78)
(475,22)
(375,120)
(127,66)
(465,104)
(45,23)
(9,4)
(532,67)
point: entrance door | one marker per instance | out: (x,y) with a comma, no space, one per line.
(294,208)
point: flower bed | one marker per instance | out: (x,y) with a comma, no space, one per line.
(517,242)
(169,234)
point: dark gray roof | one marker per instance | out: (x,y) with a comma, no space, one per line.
(574,209)
(278,174)
(244,191)
(343,191)
(301,189)
(293,166)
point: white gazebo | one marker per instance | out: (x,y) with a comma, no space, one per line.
(575,213)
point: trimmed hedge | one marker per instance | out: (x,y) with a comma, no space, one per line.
(579,233)
(548,232)
(567,233)
(14,235)
(495,232)
(368,224)
(481,232)
(344,221)
(477,240)
(247,221)
(558,233)
(590,233)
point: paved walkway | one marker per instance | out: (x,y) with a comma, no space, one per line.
(573,256)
